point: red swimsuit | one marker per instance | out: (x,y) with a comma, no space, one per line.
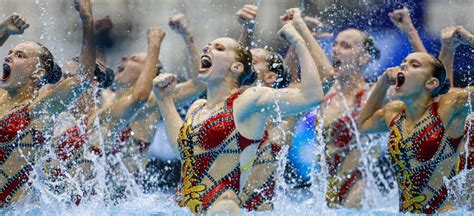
(217,136)
(422,160)
(15,135)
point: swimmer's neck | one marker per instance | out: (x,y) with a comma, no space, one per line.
(415,107)
(217,92)
(351,85)
(20,95)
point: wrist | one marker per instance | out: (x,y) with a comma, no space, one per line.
(410,29)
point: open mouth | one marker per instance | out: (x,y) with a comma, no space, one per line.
(336,62)
(6,72)
(206,63)
(400,80)
(120,68)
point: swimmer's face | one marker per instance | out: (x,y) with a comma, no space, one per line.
(129,70)
(348,51)
(21,66)
(415,76)
(259,61)
(217,60)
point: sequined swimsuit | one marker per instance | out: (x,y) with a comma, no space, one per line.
(264,193)
(18,142)
(341,136)
(203,180)
(462,156)
(422,160)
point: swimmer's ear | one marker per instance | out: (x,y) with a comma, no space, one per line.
(270,78)
(237,68)
(38,74)
(364,59)
(431,84)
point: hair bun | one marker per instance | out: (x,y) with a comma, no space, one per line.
(445,88)
(54,75)
(103,77)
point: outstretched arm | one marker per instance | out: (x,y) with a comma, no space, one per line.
(373,115)
(451,38)
(57,99)
(118,114)
(179,24)
(322,62)
(12,25)
(163,87)
(246,17)
(401,19)
(306,95)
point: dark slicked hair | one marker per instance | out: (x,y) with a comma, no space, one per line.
(439,72)
(244,56)
(53,72)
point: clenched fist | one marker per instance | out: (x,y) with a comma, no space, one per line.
(164,85)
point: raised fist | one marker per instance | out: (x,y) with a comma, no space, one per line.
(179,23)
(289,33)
(247,15)
(291,15)
(103,25)
(390,75)
(164,85)
(155,35)
(84,7)
(401,19)
(454,36)
(14,24)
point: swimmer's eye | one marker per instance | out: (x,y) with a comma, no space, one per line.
(19,55)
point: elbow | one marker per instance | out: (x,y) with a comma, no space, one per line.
(141,96)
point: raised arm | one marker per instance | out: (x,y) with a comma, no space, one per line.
(451,38)
(304,96)
(163,87)
(246,17)
(87,58)
(102,31)
(117,115)
(401,19)
(14,24)
(56,100)
(322,62)
(374,113)
(179,24)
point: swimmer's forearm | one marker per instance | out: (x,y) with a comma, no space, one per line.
(414,39)
(291,61)
(322,62)
(193,51)
(311,85)
(375,101)
(171,119)
(246,36)
(446,55)
(143,86)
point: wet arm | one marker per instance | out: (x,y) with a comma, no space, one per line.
(322,62)
(57,99)
(401,18)
(118,114)
(373,112)
(306,95)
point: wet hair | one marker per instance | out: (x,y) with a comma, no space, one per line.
(274,63)
(105,77)
(53,72)
(439,72)
(243,55)
(369,46)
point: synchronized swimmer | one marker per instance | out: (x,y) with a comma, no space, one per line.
(229,140)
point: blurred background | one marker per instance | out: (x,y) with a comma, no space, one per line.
(56,24)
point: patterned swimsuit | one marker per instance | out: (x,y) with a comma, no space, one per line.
(217,141)
(422,160)
(341,136)
(18,143)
